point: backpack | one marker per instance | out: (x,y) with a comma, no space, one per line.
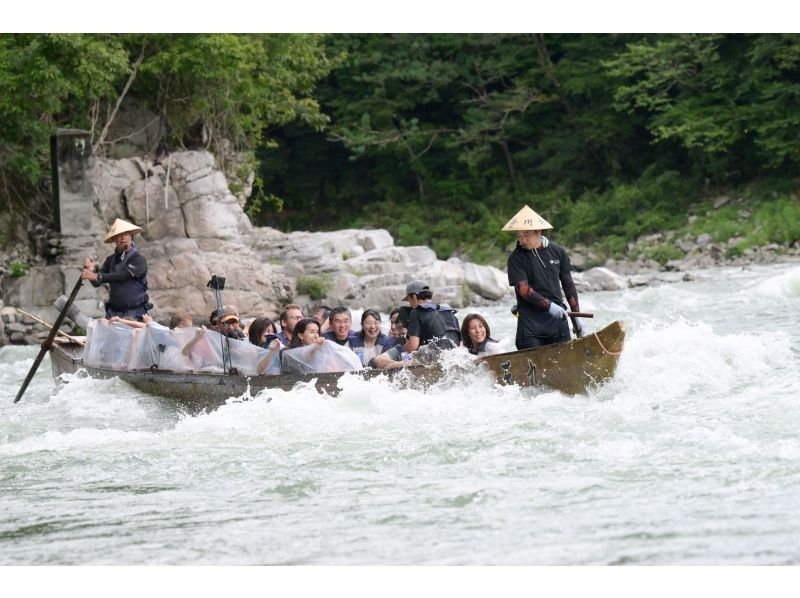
(444,327)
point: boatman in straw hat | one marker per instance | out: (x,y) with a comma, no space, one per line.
(125,273)
(538,270)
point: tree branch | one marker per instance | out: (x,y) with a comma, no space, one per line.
(128,83)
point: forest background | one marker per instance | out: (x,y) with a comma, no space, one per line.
(440,138)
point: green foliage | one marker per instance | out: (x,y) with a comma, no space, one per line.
(316,287)
(754,219)
(441,138)
(218,91)
(18,268)
(46,80)
(654,203)
(663,252)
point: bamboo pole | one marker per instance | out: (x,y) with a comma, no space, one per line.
(62,333)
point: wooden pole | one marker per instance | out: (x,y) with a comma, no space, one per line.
(61,332)
(46,344)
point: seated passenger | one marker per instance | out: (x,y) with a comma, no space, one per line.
(213,321)
(306,332)
(340,332)
(180,321)
(203,351)
(393,321)
(476,334)
(371,341)
(261,332)
(229,323)
(399,328)
(289,318)
(321,314)
(310,353)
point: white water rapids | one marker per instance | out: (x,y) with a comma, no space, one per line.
(691,455)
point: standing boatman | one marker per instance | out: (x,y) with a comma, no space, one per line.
(125,273)
(538,270)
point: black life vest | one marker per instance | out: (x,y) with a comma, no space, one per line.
(132,293)
(439,326)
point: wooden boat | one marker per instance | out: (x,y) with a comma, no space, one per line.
(570,367)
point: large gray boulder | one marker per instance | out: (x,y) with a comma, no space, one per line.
(487,281)
(599,279)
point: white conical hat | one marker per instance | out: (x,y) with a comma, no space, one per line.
(121,226)
(527,219)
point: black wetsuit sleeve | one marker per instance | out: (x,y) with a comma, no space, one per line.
(565,274)
(518,278)
(103,270)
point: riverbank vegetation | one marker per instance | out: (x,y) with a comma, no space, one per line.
(217,92)
(441,138)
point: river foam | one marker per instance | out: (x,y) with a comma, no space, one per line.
(688,456)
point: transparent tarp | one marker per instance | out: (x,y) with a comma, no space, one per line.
(158,346)
(327,357)
(109,344)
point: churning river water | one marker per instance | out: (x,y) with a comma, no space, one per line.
(691,455)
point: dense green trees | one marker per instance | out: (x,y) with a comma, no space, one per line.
(440,138)
(210,90)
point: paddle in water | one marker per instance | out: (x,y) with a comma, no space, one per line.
(46,344)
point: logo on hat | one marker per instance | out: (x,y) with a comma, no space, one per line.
(121,226)
(527,219)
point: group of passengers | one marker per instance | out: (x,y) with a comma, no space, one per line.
(416,333)
(422,324)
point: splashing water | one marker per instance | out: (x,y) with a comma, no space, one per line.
(689,456)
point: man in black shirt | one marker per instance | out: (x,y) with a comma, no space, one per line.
(429,322)
(429,325)
(124,271)
(538,270)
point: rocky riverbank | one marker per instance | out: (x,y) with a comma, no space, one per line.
(193,227)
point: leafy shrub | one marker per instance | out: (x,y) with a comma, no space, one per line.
(663,253)
(316,287)
(18,269)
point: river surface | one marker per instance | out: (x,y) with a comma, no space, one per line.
(691,455)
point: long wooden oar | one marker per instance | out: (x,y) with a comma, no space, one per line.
(46,344)
(578,314)
(60,332)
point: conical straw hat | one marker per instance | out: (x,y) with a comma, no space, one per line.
(121,226)
(527,219)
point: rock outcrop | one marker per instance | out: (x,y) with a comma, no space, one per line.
(193,227)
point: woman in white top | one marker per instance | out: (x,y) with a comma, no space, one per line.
(476,336)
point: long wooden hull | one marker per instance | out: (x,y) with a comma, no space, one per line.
(568,367)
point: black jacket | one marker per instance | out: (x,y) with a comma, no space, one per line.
(126,278)
(538,277)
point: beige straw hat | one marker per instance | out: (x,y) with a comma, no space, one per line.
(121,226)
(527,219)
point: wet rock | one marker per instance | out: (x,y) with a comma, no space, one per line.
(603,279)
